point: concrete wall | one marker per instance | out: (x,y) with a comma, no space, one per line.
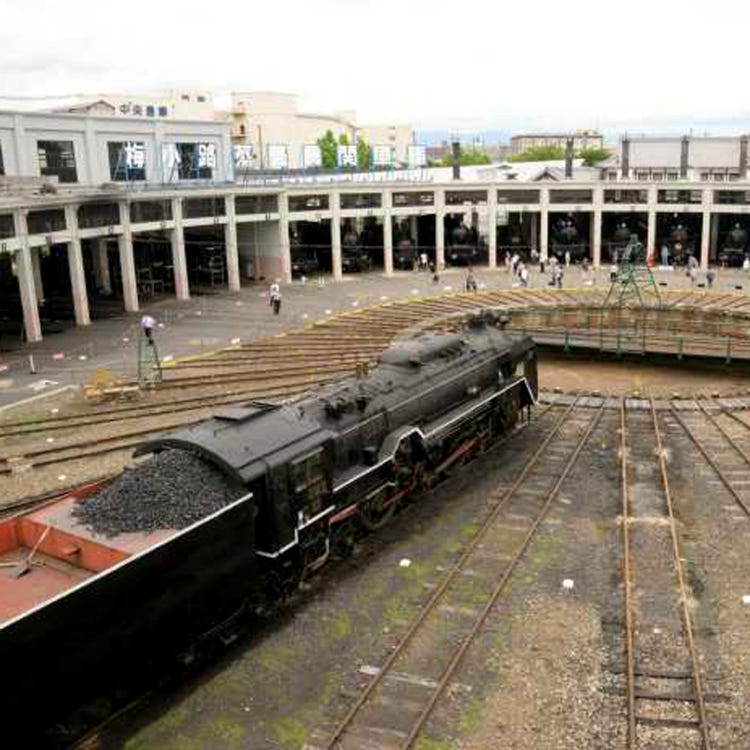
(19,133)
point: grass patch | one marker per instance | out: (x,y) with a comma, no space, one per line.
(290,733)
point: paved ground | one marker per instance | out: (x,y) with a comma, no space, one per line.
(212,321)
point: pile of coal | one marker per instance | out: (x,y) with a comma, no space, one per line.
(171,491)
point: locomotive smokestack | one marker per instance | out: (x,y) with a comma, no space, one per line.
(743,157)
(625,158)
(456,144)
(569,159)
(684,152)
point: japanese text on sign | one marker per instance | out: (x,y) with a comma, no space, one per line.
(346,156)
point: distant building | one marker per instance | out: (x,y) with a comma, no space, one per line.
(173,104)
(669,158)
(91,149)
(282,137)
(581,139)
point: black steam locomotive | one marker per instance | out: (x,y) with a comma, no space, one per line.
(112,608)
(463,246)
(565,238)
(354,257)
(735,247)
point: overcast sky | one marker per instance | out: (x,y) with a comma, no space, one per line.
(460,65)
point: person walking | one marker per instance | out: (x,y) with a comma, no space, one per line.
(558,276)
(746,265)
(147,326)
(693,274)
(275,297)
(664,255)
(524,275)
(471,282)
(710,276)
(567,258)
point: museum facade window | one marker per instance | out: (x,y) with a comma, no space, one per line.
(127,161)
(57,159)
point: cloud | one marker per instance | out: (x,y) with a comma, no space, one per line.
(434,64)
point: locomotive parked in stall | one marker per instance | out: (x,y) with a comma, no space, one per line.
(565,238)
(354,257)
(735,247)
(463,246)
(680,243)
(115,607)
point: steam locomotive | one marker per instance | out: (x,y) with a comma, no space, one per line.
(565,237)
(463,246)
(106,609)
(354,258)
(735,247)
(680,243)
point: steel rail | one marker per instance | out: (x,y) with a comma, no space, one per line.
(627,583)
(708,458)
(446,581)
(145,411)
(82,742)
(687,619)
(49,453)
(469,639)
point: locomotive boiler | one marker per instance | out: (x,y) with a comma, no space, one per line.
(166,558)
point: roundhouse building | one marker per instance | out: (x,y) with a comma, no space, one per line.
(83,249)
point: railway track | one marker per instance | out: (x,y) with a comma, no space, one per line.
(97,736)
(290,363)
(664,684)
(395,707)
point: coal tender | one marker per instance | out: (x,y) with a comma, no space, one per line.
(103,587)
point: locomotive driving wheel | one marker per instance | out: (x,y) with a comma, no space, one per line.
(376,509)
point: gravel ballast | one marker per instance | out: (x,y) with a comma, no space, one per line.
(171,491)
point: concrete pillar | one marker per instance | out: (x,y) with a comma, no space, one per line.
(706,229)
(75,266)
(651,238)
(230,242)
(101,264)
(705,238)
(492,228)
(36,266)
(713,248)
(336,266)
(23,167)
(596,228)
(387,233)
(544,227)
(92,167)
(127,260)
(414,230)
(440,228)
(534,230)
(179,261)
(596,237)
(284,247)
(25,274)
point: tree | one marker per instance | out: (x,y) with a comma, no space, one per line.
(540,153)
(468,158)
(364,154)
(592,156)
(327,144)
(344,140)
